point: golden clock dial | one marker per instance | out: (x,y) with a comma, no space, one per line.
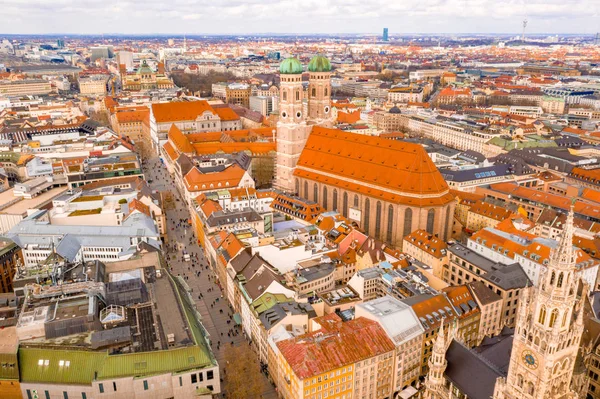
(529,359)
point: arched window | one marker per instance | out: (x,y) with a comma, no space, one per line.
(297,187)
(552,278)
(564,320)
(553,317)
(542,318)
(285,96)
(445,227)
(334,204)
(306,190)
(430,220)
(378,220)
(559,283)
(314,92)
(345,205)
(367,213)
(316,193)
(297,95)
(536,341)
(390,223)
(325,197)
(356,201)
(530,389)
(565,364)
(325,91)
(407,222)
(520,381)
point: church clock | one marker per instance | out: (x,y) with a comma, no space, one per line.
(529,359)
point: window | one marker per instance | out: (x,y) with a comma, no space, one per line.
(194,378)
(356,201)
(114,386)
(345,205)
(559,283)
(325,91)
(101,387)
(430,220)
(325,197)
(47,394)
(553,317)
(180,381)
(285,96)
(297,95)
(378,220)
(367,215)
(209,375)
(407,222)
(334,205)
(65,395)
(306,190)
(314,92)
(83,395)
(29,394)
(552,278)
(200,377)
(297,187)
(542,318)
(316,193)
(390,224)
(145,385)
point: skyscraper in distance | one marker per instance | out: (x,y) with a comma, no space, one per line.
(385,34)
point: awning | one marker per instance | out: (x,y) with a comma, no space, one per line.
(237,319)
(408,393)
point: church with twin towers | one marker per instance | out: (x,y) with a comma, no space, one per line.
(389,188)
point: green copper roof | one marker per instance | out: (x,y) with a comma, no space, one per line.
(291,66)
(319,63)
(144,68)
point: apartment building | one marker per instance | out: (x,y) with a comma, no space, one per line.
(337,359)
(505,280)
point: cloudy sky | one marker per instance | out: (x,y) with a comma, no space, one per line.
(297,16)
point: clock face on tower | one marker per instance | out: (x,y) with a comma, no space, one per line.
(529,359)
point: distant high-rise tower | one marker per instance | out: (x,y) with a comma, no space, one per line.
(524,26)
(385,34)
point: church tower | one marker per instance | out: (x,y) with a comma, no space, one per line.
(319,92)
(292,130)
(549,328)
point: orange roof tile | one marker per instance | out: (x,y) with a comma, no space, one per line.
(180,111)
(227,114)
(348,117)
(428,243)
(179,140)
(170,151)
(197,181)
(137,205)
(393,170)
(490,211)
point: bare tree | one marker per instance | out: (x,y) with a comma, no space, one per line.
(243,378)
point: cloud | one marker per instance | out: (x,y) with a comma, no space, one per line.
(293,16)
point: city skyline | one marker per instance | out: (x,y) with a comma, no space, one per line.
(277,16)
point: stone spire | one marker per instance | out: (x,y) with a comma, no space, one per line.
(563,256)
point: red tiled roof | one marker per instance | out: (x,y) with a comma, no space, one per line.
(393,170)
(180,111)
(227,114)
(198,181)
(179,140)
(337,344)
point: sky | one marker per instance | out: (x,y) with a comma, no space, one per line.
(297,16)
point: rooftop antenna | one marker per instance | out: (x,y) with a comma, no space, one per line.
(524,26)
